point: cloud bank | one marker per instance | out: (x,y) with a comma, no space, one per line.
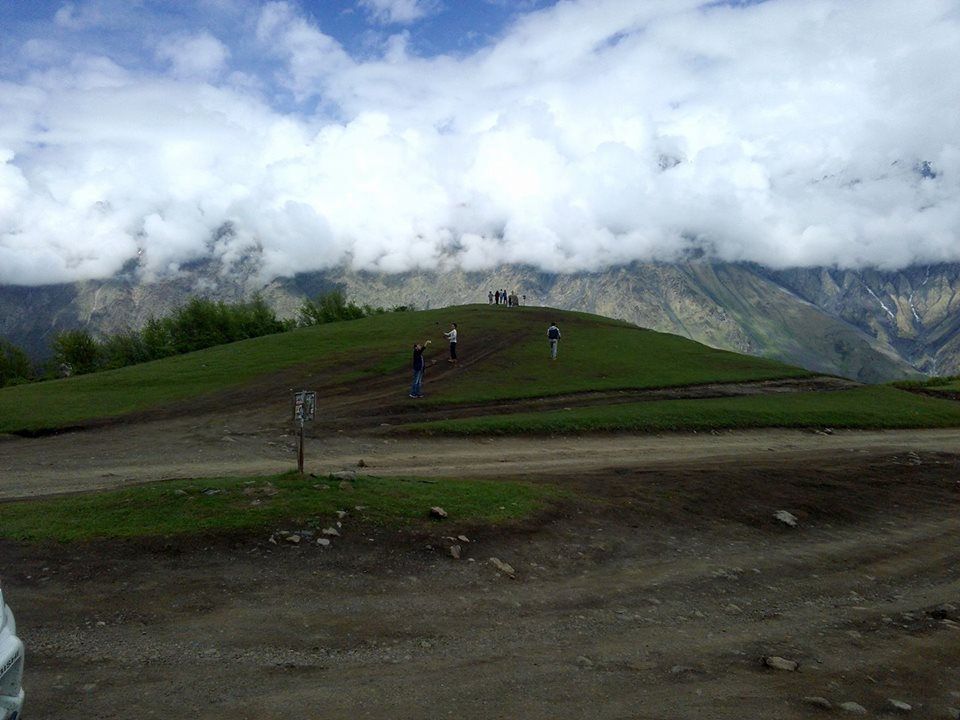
(589,134)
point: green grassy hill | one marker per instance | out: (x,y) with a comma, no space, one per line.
(504,357)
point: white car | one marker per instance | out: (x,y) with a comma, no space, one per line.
(11,665)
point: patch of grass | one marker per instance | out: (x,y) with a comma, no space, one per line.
(937,384)
(509,346)
(872,407)
(597,353)
(186,507)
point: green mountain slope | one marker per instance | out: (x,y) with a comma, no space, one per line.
(504,356)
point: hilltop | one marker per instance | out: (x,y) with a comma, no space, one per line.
(610,375)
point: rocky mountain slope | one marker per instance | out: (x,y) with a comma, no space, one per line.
(868,325)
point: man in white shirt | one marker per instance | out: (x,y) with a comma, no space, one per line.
(452,337)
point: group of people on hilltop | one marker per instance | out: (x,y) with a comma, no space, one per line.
(500,297)
(419,365)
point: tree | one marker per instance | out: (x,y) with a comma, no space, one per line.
(14,364)
(329,307)
(77,349)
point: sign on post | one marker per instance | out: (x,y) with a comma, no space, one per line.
(304,410)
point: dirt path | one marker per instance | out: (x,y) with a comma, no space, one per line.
(114,456)
(653,598)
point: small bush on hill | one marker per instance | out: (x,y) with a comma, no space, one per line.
(331,307)
(14,364)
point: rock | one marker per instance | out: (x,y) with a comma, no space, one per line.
(778,663)
(786,518)
(852,707)
(272,540)
(503,567)
(295,539)
(346,487)
(344,475)
(180,492)
(463,538)
(438,512)
(817,701)
(455,552)
(361,463)
(323,542)
(341,514)
(584,662)
(331,532)
(900,706)
(731,608)
(682,669)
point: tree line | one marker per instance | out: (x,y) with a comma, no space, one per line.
(199,324)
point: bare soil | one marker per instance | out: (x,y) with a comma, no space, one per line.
(652,593)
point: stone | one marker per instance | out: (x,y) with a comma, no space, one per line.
(438,512)
(854,708)
(344,475)
(584,662)
(731,608)
(331,532)
(346,487)
(463,538)
(503,567)
(361,463)
(900,705)
(817,701)
(295,539)
(786,518)
(324,542)
(455,552)
(341,514)
(778,663)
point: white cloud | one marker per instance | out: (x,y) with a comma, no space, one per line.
(399,12)
(593,133)
(194,56)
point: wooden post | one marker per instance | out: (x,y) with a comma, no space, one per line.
(300,450)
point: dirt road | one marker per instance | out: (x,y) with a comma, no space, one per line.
(652,593)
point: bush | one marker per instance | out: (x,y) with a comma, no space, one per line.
(14,364)
(331,307)
(78,350)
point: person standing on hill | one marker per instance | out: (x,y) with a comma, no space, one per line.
(418,367)
(452,337)
(490,297)
(497,296)
(553,335)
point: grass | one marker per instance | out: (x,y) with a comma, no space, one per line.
(235,504)
(935,384)
(871,407)
(596,353)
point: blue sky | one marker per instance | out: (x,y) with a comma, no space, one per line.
(399,134)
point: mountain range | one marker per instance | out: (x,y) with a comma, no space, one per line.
(870,325)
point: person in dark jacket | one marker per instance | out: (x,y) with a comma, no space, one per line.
(418,367)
